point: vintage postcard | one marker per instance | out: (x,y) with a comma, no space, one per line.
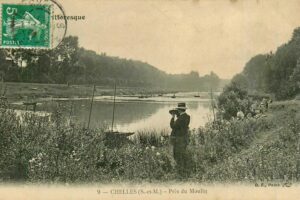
(149,99)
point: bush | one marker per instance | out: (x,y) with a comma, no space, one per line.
(233,99)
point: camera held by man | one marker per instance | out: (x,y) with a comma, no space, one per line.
(174,112)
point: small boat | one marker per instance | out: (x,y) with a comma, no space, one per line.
(115,139)
(144,96)
(30,103)
(4,98)
(112,132)
(121,134)
(174,96)
(197,95)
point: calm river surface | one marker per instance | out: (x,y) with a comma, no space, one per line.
(133,113)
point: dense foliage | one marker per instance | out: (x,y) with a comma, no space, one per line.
(232,99)
(277,73)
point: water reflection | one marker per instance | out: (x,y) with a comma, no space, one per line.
(161,118)
(132,115)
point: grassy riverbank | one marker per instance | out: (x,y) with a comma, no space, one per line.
(273,154)
(36,150)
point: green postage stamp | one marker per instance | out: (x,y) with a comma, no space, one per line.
(25,26)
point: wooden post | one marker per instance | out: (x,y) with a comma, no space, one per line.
(71,111)
(91,107)
(212,104)
(114,105)
(34,107)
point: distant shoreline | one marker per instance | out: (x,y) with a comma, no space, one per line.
(15,91)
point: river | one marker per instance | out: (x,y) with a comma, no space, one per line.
(132,113)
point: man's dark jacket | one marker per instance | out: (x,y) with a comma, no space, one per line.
(180,126)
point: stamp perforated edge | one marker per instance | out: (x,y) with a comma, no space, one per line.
(1,24)
(50,46)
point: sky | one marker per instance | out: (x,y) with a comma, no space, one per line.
(178,36)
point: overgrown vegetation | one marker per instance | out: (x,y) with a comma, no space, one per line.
(232,99)
(274,153)
(34,149)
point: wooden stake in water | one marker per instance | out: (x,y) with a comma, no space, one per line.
(71,111)
(91,107)
(212,103)
(114,105)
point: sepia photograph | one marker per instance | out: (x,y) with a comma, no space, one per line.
(149,99)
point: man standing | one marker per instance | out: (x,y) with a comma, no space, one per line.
(180,137)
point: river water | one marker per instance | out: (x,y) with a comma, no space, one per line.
(132,113)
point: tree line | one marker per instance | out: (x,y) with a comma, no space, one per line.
(274,73)
(71,64)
